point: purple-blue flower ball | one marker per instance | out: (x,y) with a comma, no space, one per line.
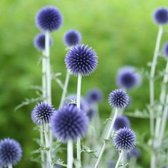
(42,113)
(39,42)
(118,99)
(72,37)
(161,16)
(49,19)
(128,78)
(10,152)
(81,59)
(124,139)
(121,122)
(94,96)
(69,123)
(165,50)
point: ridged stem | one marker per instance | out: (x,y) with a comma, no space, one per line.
(119,159)
(48,146)
(151,80)
(65,88)
(160,119)
(78,145)
(107,137)
(42,145)
(48,68)
(70,154)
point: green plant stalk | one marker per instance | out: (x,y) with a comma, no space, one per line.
(70,154)
(42,145)
(79,84)
(160,119)
(163,123)
(10,166)
(119,159)
(48,146)
(65,88)
(48,68)
(151,80)
(107,137)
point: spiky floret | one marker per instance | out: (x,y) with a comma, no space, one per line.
(81,59)
(124,139)
(128,78)
(49,18)
(118,98)
(39,41)
(161,16)
(72,37)
(121,122)
(94,96)
(69,123)
(42,113)
(10,152)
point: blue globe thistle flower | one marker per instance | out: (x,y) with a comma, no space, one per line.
(128,78)
(94,96)
(42,113)
(72,37)
(69,123)
(81,59)
(49,19)
(134,153)
(121,122)
(39,41)
(10,152)
(161,16)
(124,139)
(118,98)
(165,49)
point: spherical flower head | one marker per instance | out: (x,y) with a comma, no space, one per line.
(121,122)
(161,16)
(165,50)
(49,19)
(10,152)
(94,96)
(91,112)
(118,99)
(72,37)
(69,123)
(128,78)
(42,113)
(124,139)
(81,59)
(39,41)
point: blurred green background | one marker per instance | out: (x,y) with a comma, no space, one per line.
(121,32)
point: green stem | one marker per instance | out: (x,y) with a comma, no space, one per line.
(42,145)
(10,166)
(160,119)
(65,89)
(151,80)
(119,159)
(70,154)
(107,137)
(48,69)
(79,84)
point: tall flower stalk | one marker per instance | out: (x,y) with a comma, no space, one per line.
(118,99)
